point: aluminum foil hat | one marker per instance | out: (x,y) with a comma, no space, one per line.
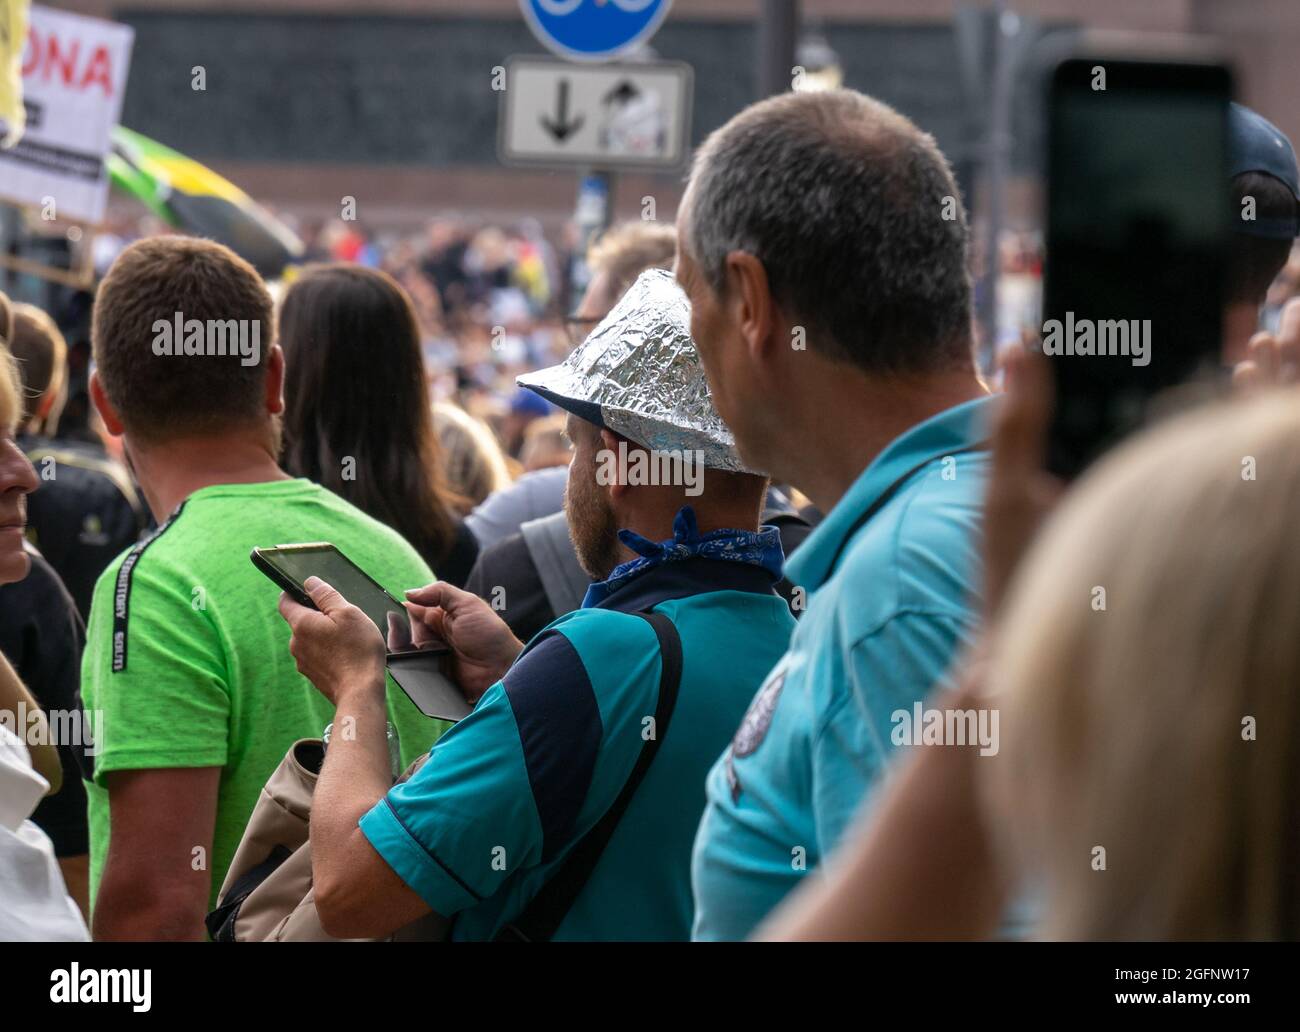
(638,373)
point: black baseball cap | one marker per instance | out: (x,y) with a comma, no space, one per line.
(1256,145)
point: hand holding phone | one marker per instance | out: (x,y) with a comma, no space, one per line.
(482,644)
(333,643)
(416,658)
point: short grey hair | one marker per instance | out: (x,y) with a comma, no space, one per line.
(858,222)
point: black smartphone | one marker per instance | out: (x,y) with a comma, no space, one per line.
(422,672)
(290,566)
(1138,216)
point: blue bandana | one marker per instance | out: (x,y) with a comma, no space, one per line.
(761,548)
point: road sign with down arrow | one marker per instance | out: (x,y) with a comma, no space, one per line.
(601,116)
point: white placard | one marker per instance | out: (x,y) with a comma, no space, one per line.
(603,116)
(74,78)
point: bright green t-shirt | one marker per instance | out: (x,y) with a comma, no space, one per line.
(188,660)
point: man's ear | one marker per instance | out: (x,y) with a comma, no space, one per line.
(51,402)
(610,473)
(275,380)
(112,422)
(46,406)
(751,308)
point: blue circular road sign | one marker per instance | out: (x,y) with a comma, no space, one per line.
(593,30)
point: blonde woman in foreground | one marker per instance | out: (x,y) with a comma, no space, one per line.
(34,904)
(1149,729)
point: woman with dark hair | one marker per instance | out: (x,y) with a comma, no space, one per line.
(357,417)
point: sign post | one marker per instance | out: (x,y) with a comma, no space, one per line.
(592,115)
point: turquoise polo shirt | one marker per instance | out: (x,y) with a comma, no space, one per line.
(889,603)
(511,788)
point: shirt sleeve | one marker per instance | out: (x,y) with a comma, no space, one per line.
(500,792)
(889,670)
(154,679)
(511,787)
(466,819)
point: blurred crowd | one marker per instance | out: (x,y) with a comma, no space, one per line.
(489,300)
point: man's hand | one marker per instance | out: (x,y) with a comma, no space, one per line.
(1021,492)
(336,646)
(1272,360)
(482,644)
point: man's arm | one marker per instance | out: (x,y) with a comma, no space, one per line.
(357,894)
(157,875)
(384,856)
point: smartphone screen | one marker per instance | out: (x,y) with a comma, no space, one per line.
(1138,216)
(295,563)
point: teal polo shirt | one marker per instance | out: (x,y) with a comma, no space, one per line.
(511,788)
(889,603)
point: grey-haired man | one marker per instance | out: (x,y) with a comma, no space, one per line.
(822,243)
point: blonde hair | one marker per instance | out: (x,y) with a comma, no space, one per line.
(625,251)
(545,443)
(1147,668)
(473,462)
(11,405)
(6,318)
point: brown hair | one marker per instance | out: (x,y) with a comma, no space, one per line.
(355,389)
(1254,262)
(476,465)
(158,396)
(42,355)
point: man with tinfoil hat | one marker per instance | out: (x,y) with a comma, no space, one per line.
(566,804)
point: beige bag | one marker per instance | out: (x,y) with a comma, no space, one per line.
(267,894)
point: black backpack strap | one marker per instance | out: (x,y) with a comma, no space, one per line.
(548,908)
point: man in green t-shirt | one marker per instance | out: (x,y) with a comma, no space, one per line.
(187,680)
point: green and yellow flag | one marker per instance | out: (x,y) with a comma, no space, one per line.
(190,196)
